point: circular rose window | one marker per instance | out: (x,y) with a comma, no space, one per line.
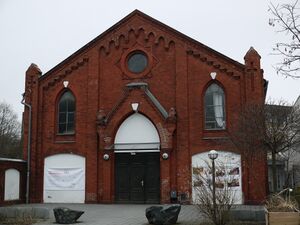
(137,62)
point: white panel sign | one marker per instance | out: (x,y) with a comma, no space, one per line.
(12,185)
(228,173)
(64,179)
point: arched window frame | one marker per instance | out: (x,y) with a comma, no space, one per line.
(66,123)
(214,107)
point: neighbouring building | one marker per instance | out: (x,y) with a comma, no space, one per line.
(129,116)
(296,160)
(282,174)
(287,162)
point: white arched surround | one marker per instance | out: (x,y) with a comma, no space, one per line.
(230,175)
(137,161)
(12,185)
(64,179)
(137,132)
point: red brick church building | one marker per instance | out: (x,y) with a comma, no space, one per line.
(127,117)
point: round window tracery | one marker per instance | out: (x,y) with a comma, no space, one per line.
(137,62)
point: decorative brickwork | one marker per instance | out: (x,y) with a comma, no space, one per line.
(177,75)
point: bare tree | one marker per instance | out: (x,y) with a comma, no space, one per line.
(224,193)
(10,132)
(248,136)
(282,131)
(272,128)
(286,18)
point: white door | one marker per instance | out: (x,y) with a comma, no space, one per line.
(12,185)
(64,179)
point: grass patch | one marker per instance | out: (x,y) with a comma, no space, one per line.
(17,221)
(237,223)
(296,194)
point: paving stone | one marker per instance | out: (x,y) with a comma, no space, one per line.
(23,212)
(40,213)
(109,214)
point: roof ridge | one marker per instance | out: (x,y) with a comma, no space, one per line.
(123,20)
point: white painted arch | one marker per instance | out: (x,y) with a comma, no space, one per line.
(137,132)
(230,162)
(64,179)
(12,185)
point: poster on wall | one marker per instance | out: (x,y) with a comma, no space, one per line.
(64,179)
(227,176)
(233,177)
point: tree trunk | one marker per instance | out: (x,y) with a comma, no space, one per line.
(274,171)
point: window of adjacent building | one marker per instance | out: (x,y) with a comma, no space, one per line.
(214,101)
(137,62)
(66,113)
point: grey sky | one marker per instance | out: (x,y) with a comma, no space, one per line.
(45,32)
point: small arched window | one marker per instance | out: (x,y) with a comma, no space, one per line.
(66,113)
(214,102)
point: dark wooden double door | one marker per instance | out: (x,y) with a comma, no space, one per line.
(137,178)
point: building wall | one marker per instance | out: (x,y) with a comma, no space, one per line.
(296,160)
(178,76)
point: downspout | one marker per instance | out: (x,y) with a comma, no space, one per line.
(28,149)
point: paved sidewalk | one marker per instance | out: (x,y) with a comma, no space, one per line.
(102,214)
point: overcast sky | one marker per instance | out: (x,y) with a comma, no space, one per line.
(46,32)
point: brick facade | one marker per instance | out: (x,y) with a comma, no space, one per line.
(178,75)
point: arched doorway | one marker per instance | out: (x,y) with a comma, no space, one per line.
(137,163)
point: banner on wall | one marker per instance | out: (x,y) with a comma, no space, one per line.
(64,179)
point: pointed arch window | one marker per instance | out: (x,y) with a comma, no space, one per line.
(66,113)
(214,102)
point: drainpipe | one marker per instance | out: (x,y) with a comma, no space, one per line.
(28,148)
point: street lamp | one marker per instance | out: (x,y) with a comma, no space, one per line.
(213,155)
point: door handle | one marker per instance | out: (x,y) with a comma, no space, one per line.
(142,183)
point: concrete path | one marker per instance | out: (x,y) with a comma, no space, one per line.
(100,214)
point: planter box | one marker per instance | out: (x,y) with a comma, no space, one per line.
(282,218)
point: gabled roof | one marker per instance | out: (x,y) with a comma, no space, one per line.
(297,103)
(149,18)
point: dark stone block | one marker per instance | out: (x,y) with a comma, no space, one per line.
(159,215)
(66,216)
(248,214)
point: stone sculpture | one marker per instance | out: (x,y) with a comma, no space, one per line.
(159,215)
(65,215)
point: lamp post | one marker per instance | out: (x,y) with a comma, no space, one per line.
(213,155)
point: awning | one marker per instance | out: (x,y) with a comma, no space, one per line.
(136,147)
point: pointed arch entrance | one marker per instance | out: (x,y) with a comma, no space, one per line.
(137,162)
